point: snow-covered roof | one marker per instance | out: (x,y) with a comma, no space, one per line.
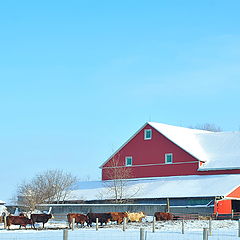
(219,150)
(163,187)
(2,202)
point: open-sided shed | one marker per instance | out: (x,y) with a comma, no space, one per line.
(219,194)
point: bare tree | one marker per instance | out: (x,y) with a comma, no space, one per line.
(118,188)
(208,127)
(48,186)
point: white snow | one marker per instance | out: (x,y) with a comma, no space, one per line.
(191,186)
(220,150)
(193,229)
(3,209)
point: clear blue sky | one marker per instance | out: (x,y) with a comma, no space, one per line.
(78,78)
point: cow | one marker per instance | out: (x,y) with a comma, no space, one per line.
(204,217)
(118,216)
(135,216)
(43,217)
(79,218)
(163,216)
(18,220)
(102,218)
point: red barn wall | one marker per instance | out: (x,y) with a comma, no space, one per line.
(148,158)
(223,207)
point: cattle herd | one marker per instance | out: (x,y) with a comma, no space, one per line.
(104,217)
(78,218)
(23,220)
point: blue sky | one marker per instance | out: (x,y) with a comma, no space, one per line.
(78,78)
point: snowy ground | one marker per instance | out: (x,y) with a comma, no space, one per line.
(169,230)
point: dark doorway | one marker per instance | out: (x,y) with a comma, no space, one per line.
(236,205)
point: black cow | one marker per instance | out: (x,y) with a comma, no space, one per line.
(102,218)
(40,218)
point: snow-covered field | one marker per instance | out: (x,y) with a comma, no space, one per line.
(169,230)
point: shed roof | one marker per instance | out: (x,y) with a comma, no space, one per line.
(163,187)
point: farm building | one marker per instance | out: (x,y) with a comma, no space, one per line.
(184,170)
(167,168)
(2,207)
(194,194)
(160,150)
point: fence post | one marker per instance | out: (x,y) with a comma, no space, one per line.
(154,224)
(210,226)
(5,221)
(73,223)
(238,228)
(96,224)
(168,206)
(65,234)
(124,224)
(205,234)
(142,234)
(182,226)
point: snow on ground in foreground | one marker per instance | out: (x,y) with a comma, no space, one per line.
(169,230)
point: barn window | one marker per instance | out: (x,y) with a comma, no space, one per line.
(128,161)
(147,134)
(168,158)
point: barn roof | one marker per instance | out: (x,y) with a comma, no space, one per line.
(163,187)
(219,150)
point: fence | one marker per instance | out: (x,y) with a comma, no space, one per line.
(113,234)
(189,229)
(180,216)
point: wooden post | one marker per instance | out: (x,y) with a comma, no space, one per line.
(5,221)
(210,226)
(205,234)
(154,224)
(238,228)
(65,234)
(96,224)
(168,206)
(142,234)
(124,224)
(232,214)
(182,226)
(73,223)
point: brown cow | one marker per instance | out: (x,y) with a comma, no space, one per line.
(163,216)
(79,218)
(118,216)
(40,218)
(102,218)
(18,220)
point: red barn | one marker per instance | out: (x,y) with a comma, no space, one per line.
(157,151)
(160,150)
(170,168)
